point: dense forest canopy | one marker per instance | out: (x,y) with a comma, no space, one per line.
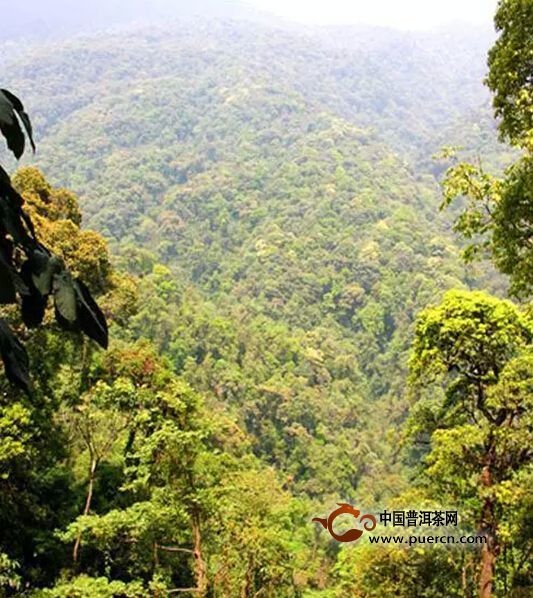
(261,228)
(253,177)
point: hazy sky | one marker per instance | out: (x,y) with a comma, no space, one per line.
(405,14)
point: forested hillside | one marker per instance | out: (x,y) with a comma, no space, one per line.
(271,205)
(256,166)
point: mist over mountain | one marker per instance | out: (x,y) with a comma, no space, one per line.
(58,18)
(406,85)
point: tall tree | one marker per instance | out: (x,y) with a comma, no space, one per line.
(480,430)
(498,217)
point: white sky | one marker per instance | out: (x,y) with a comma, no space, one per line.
(403,14)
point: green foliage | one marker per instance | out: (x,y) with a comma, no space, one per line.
(510,69)
(117,480)
(374,572)
(499,210)
(470,333)
(27,268)
(84,586)
(275,235)
(498,217)
(480,429)
(8,576)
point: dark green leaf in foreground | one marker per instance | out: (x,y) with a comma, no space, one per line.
(91,319)
(65,301)
(11,114)
(10,127)
(7,286)
(42,266)
(76,310)
(15,358)
(22,114)
(32,308)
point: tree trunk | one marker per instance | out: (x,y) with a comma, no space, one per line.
(87,508)
(488,560)
(464,579)
(490,549)
(201,569)
(248,579)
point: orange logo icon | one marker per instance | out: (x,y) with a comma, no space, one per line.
(353,534)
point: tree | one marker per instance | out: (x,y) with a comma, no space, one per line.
(479,431)
(498,217)
(38,493)
(510,75)
(29,271)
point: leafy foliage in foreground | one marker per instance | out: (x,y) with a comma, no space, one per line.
(116,478)
(28,270)
(480,430)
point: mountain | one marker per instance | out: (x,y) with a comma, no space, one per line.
(287,180)
(35,20)
(406,90)
(269,197)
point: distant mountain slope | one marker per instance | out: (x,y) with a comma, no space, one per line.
(195,140)
(405,85)
(287,180)
(132,120)
(35,19)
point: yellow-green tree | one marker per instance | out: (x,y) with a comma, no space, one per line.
(478,348)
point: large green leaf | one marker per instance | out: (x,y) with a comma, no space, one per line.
(5,182)
(11,114)
(33,307)
(65,301)
(40,268)
(15,358)
(22,114)
(10,127)
(7,286)
(13,222)
(91,319)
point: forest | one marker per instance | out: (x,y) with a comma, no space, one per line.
(252,273)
